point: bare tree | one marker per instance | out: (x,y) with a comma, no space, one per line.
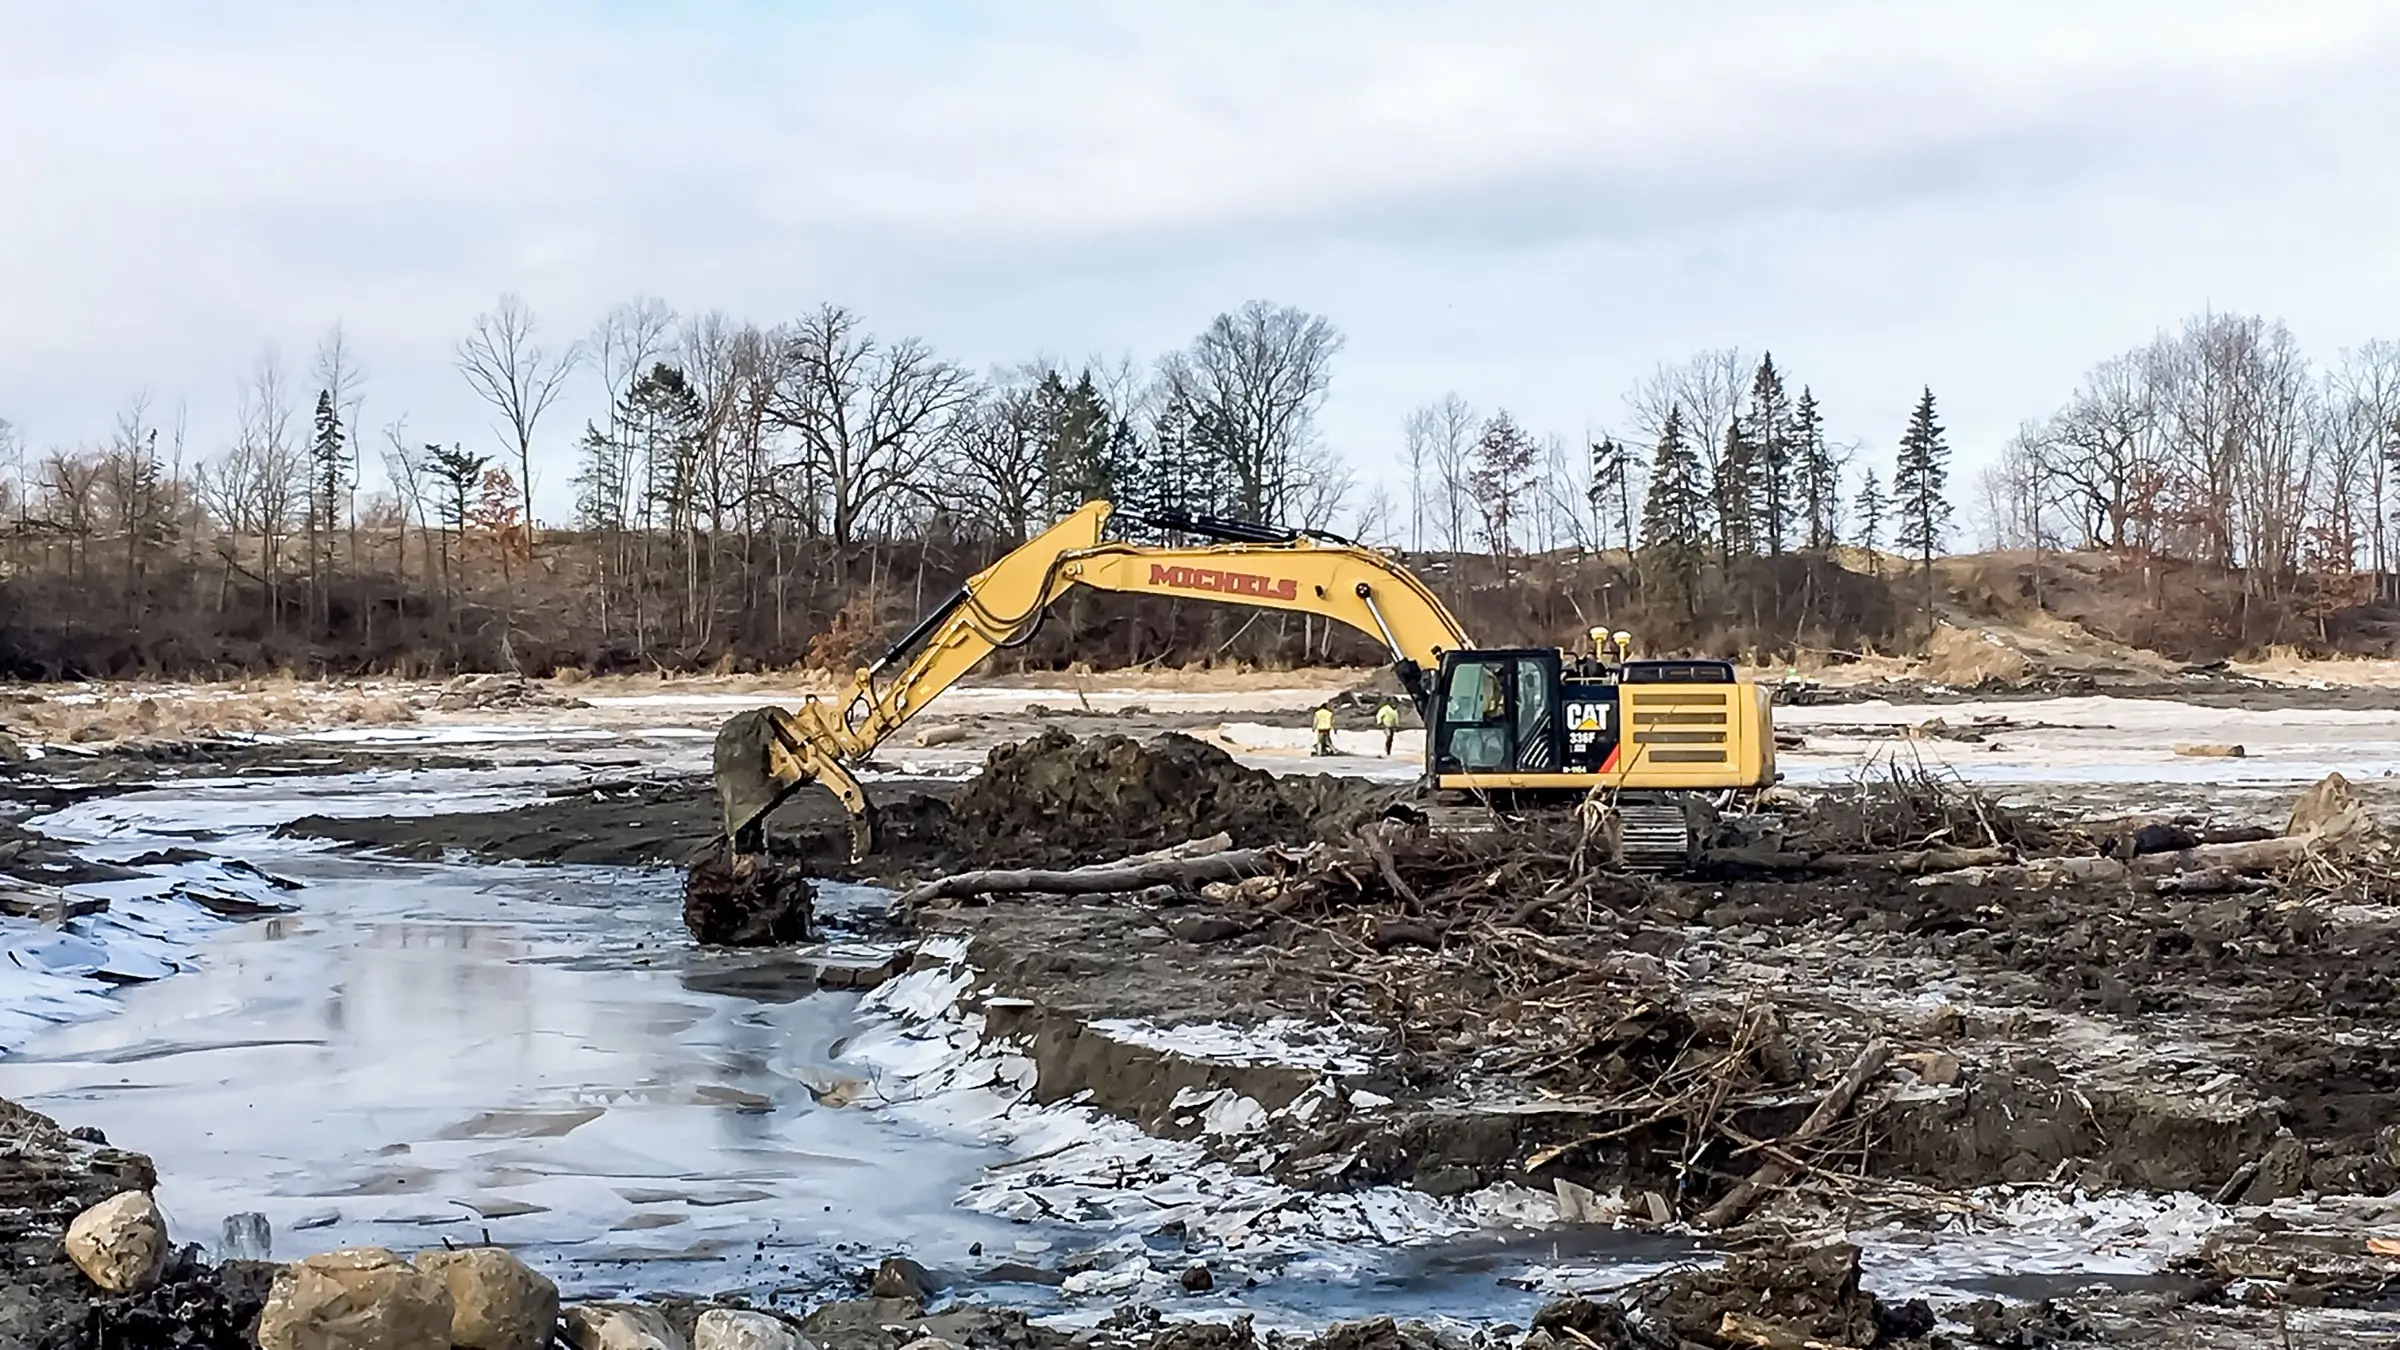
(1416,448)
(1259,374)
(1447,428)
(503,360)
(2366,380)
(872,417)
(1322,484)
(1707,387)
(1001,458)
(409,489)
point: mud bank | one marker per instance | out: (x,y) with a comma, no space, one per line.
(2203,688)
(1054,797)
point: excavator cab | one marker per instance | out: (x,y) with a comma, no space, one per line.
(1497,713)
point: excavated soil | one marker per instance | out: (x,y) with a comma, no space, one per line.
(1056,796)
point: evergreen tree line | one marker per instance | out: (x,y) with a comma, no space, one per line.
(1722,507)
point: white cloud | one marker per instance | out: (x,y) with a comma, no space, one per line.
(1531,203)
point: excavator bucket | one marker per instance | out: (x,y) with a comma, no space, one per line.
(754,773)
(765,755)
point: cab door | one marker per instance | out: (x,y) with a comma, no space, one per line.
(1498,712)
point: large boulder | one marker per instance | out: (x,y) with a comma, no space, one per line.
(496,1301)
(358,1298)
(736,1329)
(120,1243)
(620,1326)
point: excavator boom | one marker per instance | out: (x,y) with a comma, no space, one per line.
(764,755)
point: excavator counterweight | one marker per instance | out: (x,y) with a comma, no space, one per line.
(1506,727)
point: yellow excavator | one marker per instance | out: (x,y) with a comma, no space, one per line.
(1661,741)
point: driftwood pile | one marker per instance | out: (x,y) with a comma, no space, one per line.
(1512,955)
(1522,954)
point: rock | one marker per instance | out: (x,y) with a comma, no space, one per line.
(358,1298)
(2162,837)
(10,751)
(1945,1023)
(1209,927)
(1934,1068)
(496,1302)
(1585,1322)
(735,1329)
(120,1243)
(2282,1173)
(2211,750)
(245,1237)
(899,1277)
(1197,1279)
(620,1326)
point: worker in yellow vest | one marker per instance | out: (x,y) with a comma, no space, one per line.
(1388,718)
(1324,725)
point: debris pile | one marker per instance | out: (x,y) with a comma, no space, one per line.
(498,693)
(744,900)
(1055,795)
(1788,1296)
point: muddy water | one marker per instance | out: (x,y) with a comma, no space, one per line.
(430,1051)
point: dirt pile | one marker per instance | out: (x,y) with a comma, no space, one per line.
(1967,658)
(499,693)
(1055,796)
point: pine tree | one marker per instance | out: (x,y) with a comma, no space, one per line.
(1183,468)
(1772,468)
(329,464)
(1611,492)
(1871,510)
(1736,491)
(1075,426)
(1819,476)
(1918,500)
(328,474)
(459,472)
(600,481)
(1674,537)
(1500,475)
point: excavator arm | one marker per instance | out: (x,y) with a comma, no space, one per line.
(765,755)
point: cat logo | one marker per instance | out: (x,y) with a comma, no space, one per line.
(1586,716)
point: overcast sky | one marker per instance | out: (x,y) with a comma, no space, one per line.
(1530,203)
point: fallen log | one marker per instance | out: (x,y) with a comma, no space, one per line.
(2210,881)
(1911,861)
(1185,873)
(2033,875)
(1774,1171)
(2264,855)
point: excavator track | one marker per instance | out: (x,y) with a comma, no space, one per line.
(1649,832)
